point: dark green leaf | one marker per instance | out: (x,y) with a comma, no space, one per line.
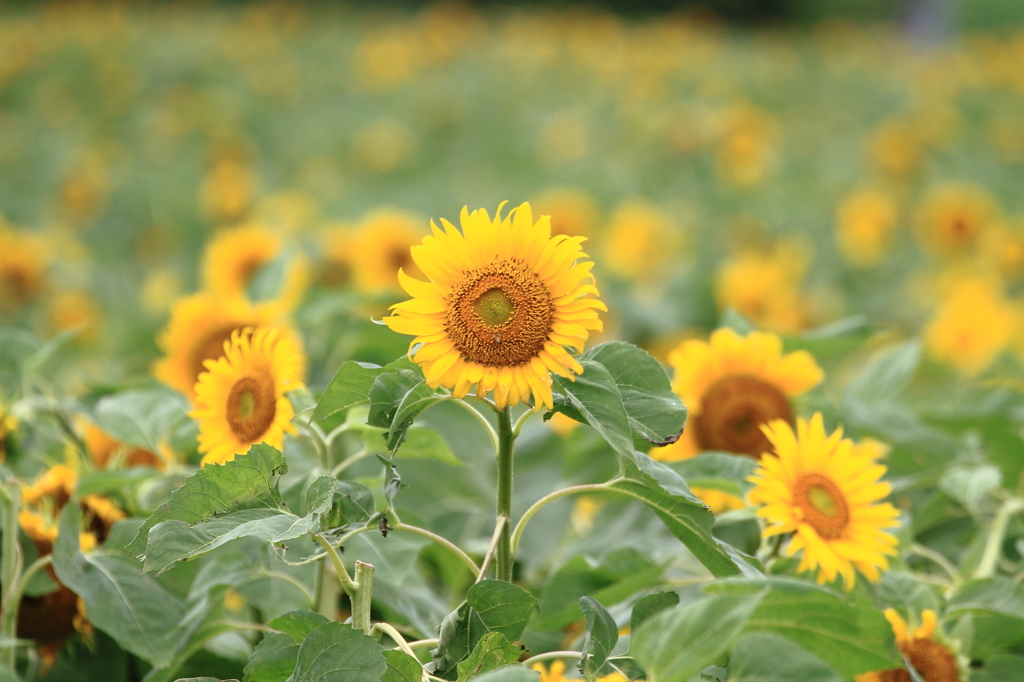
(688,518)
(298,624)
(350,386)
(492,652)
(650,606)
(602,634)
(401,667)
(353,504)
(273,660)
(767,658)
(249,482)
(460,631)
(396,399)
(593,398)
(676,644)
(717,470)
(335,652)
(1004,596)
(656,414)
(502,607)
(135,609)
(1000,668)
(142,417)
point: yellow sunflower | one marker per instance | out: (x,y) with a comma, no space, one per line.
(556,673)
(764,285)
(641,241)
(813,486)
(719,501)
(503,300)
(22,268)
(102,448)
(235,257)
(865,222)
(383,241)
(240,398)
(573,212)
(732,385)
(973,325)
(933,661)
(954,218)
(339,255)
(7,426)
(199,326)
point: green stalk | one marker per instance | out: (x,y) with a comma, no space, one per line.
(362,600)
(10,567)
(506,440)
(996,534)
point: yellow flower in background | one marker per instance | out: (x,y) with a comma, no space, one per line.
(102,509)
(718,500)
(1003,249)
(339,257)
(236,257)
(732,385)
(871,449)
(813,487)
(56,483)
(555,672)
(953,219)
(503,300)
(573,212)
(640,240)
(159,291)
(23,265)
(102,449)
(286,212)
(74,310)
(84,189)
(562,424)
(240,398)
(199,326)
(973,325)
(897,147)
(227,191)
(383,241)
(865,222)
(7,426)
(933,661)
(746,146)
(764,286)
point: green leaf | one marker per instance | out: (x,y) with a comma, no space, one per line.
(717,470)
(142,417)
(273,660)
(135,609)
(396,399)
(1000,668)
(298,624)
(203,679)
(249,482)
(502,607)
(970,485)
(335,652)
(886,375)
(510,673)
(767,658)
(460,631)
(176,540)
(649,606)
(1004,596)
(401,667)
(420,443)
(594,399)
(350,386)
(852,638)
(676,644)
(490,653)
(686,517)
(656,414)
(602,634)
(353,505)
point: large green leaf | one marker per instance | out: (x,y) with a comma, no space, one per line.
(656,414)
(460,631)
(602,635)
(396,398)
(676,644)
(1004,596)
(350,386)
(649,606)
(275,656)
(335,652)
(593,398)
(176,540)
(759,657)
(492,652)
(688,518)
(142,615)
(142,417)
(852,638)
(717,470)
(401,667)
(248,482)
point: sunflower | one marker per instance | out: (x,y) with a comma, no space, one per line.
(718,500)
(747,145)
(240,398)
(732,385)
(22,268)
(573,212)
(954,218)
(504,298)
(7,426)
(338,255)
(75,310)
(641,240)
(556,673)
(199,326)
(235,258)
(972,326)
(227,191)
(383,241)
(933,661)
(865,222)
(764,285)
(814,487)
(102,448)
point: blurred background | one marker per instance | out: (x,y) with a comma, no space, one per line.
(800,164)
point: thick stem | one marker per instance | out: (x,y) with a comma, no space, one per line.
(996,534)
(328,591)
(362,598)
(506,440)
(10,567)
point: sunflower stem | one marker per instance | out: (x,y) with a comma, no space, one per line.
(996,534)
(362,599)
(10,567)
(506,441)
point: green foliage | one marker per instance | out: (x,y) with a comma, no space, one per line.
(349,387)
(602,634)
(493,651)
(397,397)
(649,606)
(401,667)
(758,657)
(334,652)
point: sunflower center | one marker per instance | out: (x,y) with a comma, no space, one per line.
(494,307)
(210,347)
(823,504)
(252,407)
(732,412)
(500,314)
(933,661)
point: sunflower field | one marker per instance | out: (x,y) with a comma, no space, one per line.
(342,344)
